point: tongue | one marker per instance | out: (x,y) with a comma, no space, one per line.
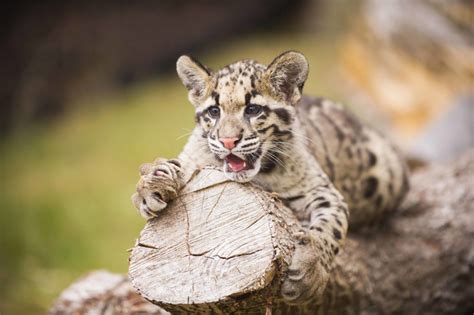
(235,163)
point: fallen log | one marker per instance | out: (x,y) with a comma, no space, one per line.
(420,261)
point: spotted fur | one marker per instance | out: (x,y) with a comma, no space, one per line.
(316,155)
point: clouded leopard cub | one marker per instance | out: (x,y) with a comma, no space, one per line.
(253,121)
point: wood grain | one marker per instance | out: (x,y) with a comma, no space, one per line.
(219,241)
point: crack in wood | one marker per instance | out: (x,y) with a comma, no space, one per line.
(217,256)
(188,246)
(255,221)
(239,255)
(146,245)
(187,226)
(217,201)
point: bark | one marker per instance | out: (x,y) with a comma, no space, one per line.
(419,261)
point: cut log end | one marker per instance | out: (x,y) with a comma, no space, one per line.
(217,243)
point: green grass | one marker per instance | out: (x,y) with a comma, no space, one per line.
(65,192)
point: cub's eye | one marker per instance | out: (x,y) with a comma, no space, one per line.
(214,111)
(253,110)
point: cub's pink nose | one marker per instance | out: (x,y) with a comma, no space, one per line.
(229,143)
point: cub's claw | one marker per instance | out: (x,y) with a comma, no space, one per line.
(159,184)
(306,277)
(148,210)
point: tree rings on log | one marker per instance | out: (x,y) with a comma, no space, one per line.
(218,244)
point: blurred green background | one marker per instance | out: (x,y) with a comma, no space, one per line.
(68,171)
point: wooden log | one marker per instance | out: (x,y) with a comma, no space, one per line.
(103,292)
(218,246)
(418,262)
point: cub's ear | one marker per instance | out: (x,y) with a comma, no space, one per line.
(195,77)
(286,75)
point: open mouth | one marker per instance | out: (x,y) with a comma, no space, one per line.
(236,164)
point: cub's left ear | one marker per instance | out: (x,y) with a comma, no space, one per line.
(286,76)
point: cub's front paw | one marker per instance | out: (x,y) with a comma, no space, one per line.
(148,207)
(159,183)
(307,276)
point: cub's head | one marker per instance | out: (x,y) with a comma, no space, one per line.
(246,110)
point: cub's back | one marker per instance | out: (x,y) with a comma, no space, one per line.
(364,166)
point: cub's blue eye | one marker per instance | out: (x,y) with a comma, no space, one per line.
(253,110)
(214,111)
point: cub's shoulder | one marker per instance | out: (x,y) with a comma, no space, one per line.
(309,103)
(319,109)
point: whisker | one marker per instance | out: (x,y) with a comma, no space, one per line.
(280,149)
(184,135)
(304,137)
(275,159)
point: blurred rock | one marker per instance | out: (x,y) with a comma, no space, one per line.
(448,135)
(412,58)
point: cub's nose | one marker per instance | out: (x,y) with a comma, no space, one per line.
(229,143)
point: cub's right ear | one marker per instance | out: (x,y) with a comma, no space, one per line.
(195,77)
